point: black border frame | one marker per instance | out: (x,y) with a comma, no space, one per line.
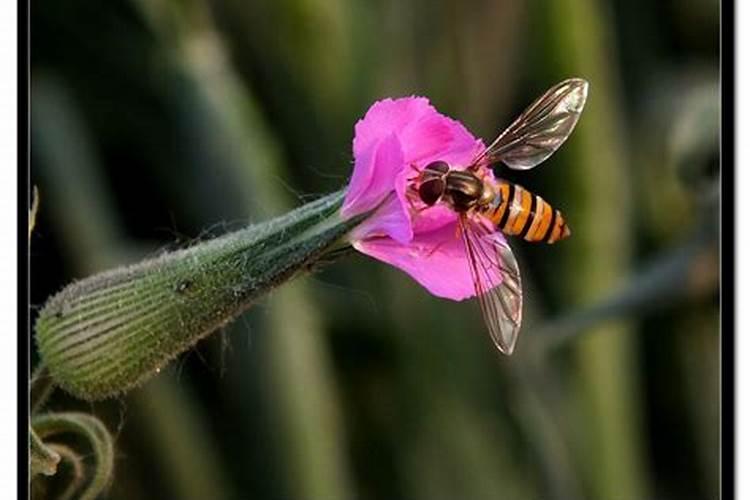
(24,332)
(727,284)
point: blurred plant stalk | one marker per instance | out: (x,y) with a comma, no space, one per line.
(611,454)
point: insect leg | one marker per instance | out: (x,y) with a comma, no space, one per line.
(416,169)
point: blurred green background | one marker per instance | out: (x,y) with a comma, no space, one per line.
(156,123)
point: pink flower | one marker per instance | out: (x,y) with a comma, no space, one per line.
(393,135)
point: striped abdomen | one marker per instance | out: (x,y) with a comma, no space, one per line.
(518,212)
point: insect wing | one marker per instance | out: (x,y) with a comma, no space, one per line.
(540,129)
(491,260)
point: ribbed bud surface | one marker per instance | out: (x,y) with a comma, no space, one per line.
(110,332)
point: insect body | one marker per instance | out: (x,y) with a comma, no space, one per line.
(488,207)
(518,212)
(510,208)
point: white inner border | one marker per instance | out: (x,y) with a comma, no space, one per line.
(9,248)
(742,232)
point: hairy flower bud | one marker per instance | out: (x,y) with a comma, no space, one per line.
(108,333)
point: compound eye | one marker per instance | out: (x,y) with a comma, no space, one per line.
(431,191)
(440,167)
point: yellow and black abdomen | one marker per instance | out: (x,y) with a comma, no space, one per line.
(518,212)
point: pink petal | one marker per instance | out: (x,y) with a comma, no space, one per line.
(391,220)
(427,219)
(374,176)
(386,117)
(425,134)
(437,137)
(436,259)
(393,135)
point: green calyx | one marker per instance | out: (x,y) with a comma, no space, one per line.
(105,334)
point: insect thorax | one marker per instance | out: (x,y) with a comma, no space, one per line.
(465,190)
(462,190)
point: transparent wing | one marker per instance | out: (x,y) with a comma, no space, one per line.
(491,260)
(540,129)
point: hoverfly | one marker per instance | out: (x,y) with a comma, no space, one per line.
(488,207)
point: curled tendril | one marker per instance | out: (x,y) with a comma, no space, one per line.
(93,431)
(71,460)
(43,459)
